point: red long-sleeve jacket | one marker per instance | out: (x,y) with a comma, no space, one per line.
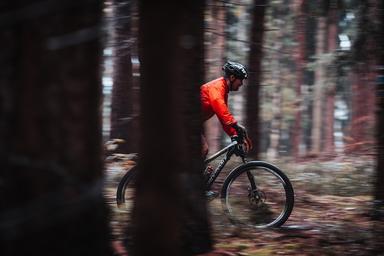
(214,99)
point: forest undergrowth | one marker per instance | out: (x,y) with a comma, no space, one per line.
(332,213)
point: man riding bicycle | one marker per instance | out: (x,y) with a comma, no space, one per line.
(254,193)
(214,101)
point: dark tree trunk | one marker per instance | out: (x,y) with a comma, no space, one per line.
(309,80)
(300,69)
(253,87)
(329,140)
(122,116)
(51,200)
(361,126)
(362,100)
(379,186)
(214,50)
(170,216)
(378,227)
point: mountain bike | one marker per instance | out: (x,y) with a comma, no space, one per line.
(255,193)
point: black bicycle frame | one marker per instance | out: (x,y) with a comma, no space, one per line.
(229,150)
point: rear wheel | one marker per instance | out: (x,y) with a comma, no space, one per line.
(126,191)
(257,194)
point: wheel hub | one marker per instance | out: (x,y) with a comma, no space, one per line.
(256,197)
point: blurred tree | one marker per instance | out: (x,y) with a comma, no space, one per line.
(378,227)
(276,98)
(123,118)
(309,79)
(362,100)
(215,19)
(325,78)
(379,185)
(276,14)
(301,10)
(279,66)
(324,91)
(254,80)
(170,215)
(330,91)
(214,38)
(50,130)
(361,133)
(318,90)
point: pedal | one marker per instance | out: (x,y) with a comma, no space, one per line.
(211,195)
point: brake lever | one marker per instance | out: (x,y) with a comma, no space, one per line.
(239,150)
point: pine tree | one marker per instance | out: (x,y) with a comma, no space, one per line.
(52,171)
(170,205)
(255,74)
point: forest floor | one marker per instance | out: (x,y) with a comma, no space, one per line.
(332,213)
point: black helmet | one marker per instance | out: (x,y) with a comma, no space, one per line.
(236,69)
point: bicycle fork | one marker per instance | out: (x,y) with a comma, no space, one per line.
(255,196)
(251,178)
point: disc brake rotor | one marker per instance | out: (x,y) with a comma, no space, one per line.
(256,197)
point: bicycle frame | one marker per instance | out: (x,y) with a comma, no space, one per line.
(234,181)
(230,151)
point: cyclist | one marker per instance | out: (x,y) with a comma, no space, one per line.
(214,98)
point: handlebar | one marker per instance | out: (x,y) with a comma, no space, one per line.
(241,133)
(235,147)
(239,150)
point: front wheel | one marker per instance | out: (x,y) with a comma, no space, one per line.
(257,194)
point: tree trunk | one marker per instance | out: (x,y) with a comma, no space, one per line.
(379,185)
(254,80)
(301,8)
(51,174)
(361,126)
(273,148)
(317,123)
(170,215)
(329,140)
(214,51)
(378,227)
(362,98)
(214,38)
(276,98)
(122,115)
(309,81)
